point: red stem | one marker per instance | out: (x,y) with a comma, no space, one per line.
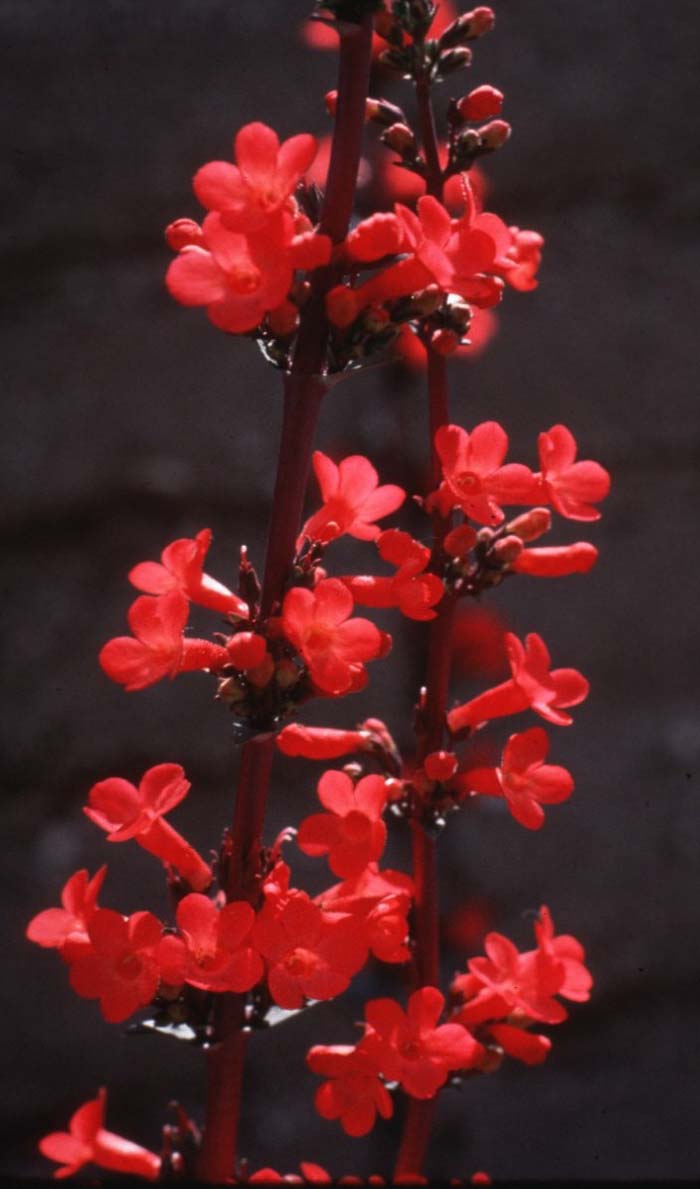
(419,1115)
(303,393)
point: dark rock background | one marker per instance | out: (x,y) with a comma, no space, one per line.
(129,422)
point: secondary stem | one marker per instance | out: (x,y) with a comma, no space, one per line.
(304,389)
(419,1116)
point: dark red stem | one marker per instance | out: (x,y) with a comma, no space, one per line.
(419,1115)
(303,392)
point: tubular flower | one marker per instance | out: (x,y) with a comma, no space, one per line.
(181,568)
(571,487)
(121,968)
(474,478)
(87,1142)
(556,561)
(66,928)
(523,259)
(213,950)
(523,778)
(248,194)
(309,954)
(354,1093)
(157,648)
(352,500)
(379,901)
(352,833)
(125,811)
(409,1047)
(334,646)
(532,686)
(320,743)
(410,589)
(240,278)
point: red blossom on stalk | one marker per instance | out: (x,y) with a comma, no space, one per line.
(556,561)
(248,194)
(523,778)
(181,568)
(320,743)
(87,1142)
(571,487)
(125,812)
(120,969)
(533,686)
(334,646)
(353,1093)
(410,589)
(352,833)
(240,278)
(412,1049)
(380,902)
(158,647)
(66,928)
(213,949)
(308,954)
(352,500)
(475,479)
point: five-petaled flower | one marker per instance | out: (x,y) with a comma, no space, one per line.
(181,567)
(334,646)
(125,811)
(474,477)
(411,1048)
(88,1142)
(66,928)
(353,1093)
(309,954)
(213,948)
(352,500)
(120,969)
(352,833)
(571,487)
(411,589)
(532,686)
(523,778)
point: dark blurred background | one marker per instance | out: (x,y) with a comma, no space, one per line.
(129,422)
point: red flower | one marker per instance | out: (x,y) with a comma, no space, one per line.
(523,259)
(556,561)
(214,950)
(532,686)
(354,1092)
(352,500)
(414,592)
(121,968)
(181,568)
(87,1142)
(317,622)
(412,1049)
(352,834)
(568,953)
(247,195)
(571,487)
(379,901)
(475,479)
(526,782)
(157,648)
(481,104)
(66,929)
(309,955)
(320,743)
(125,811)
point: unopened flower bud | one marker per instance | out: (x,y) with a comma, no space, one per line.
(183,233)
(453,60)
(380,111)
(286,674)
(532,525)
(262,674)
(481,104)
(330,100)
(508,549)
(284,320)
(400,138)
(494,135)
(468,27)
(341,306)
(466,146)
(460,541)
(444,342)
(247,650)
(440,765)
